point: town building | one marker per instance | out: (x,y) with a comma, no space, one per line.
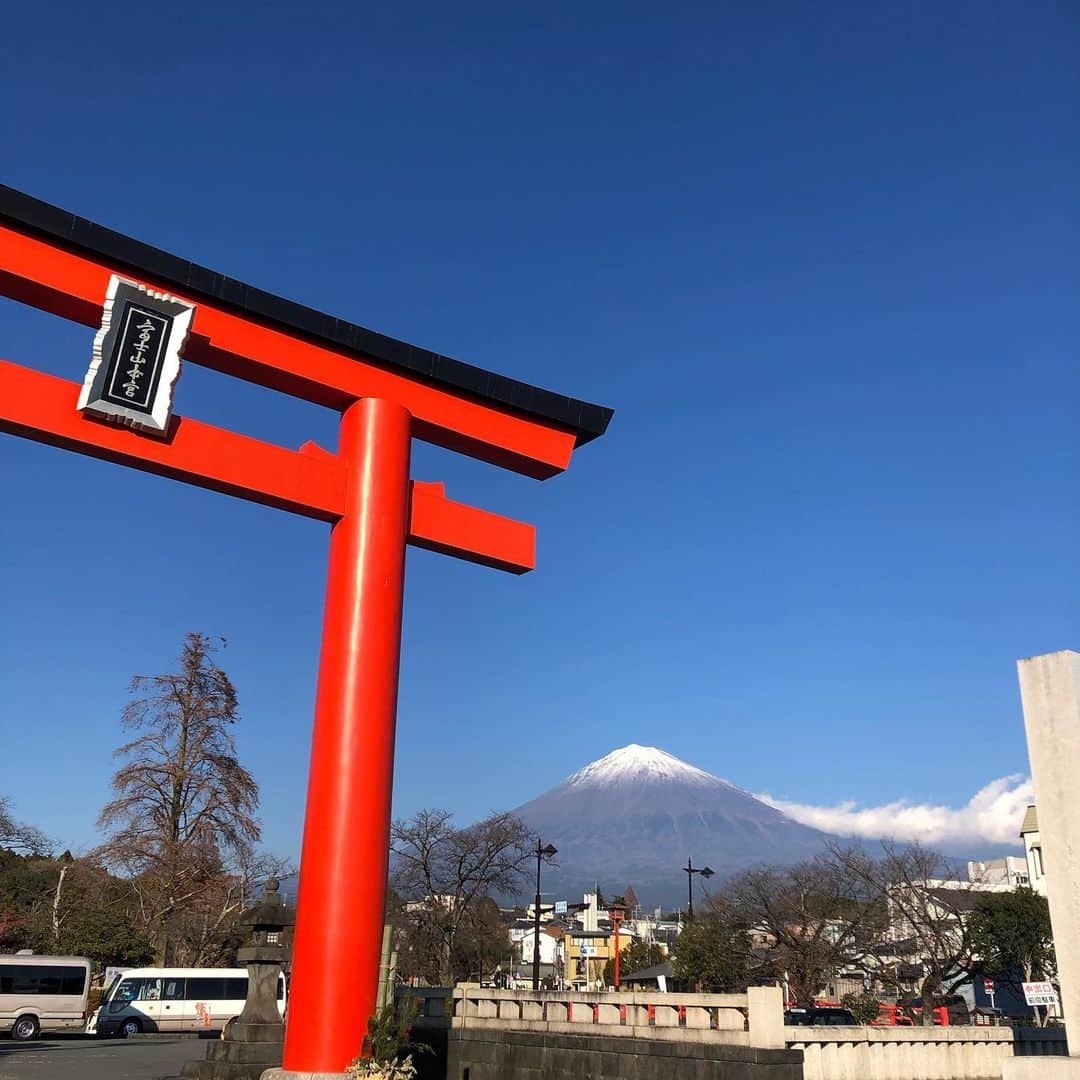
(587,953)
(1008,872)
(1029,834)
(552,960)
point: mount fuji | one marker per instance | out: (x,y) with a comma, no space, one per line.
(634,816)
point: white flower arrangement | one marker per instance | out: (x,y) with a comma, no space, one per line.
(398,1069)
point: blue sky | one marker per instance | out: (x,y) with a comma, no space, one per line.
(821,259)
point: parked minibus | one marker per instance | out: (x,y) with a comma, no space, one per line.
(43,993)
(174,999)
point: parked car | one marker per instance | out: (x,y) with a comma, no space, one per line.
(827,1016)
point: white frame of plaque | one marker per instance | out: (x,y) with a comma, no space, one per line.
(92,396)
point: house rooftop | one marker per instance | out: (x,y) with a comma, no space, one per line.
(650,973)
(959,900)
(1030,823)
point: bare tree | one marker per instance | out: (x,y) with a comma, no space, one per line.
(19,837)
(483,941)
(183,816)
(928,934)
(182,781)
(446,872)
(807,922)
(63,866)
(204,932)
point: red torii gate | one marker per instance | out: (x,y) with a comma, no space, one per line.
(388,392)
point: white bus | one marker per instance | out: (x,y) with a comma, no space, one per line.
(43,993)
(174,999)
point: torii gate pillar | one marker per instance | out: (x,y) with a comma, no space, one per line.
(344,852)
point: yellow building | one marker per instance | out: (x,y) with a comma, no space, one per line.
(587,953)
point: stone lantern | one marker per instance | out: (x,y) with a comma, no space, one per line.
(254,1041)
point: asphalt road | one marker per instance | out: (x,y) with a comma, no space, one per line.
(148,1058)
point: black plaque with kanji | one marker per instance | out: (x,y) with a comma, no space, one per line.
(136,357)
(134,368)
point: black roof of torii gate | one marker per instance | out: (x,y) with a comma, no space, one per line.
(585,420)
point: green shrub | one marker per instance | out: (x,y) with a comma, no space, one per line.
(864,1007)
(388,1048)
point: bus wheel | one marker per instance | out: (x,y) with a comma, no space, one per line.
(129,1028)
(25,1028)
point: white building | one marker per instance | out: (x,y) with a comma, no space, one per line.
(1008,872)
(1029,833)
(550,947)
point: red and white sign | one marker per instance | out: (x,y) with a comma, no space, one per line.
(1040,993)
(988,985)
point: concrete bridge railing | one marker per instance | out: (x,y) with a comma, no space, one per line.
(751,1019)
(902,1053)
(937,1053)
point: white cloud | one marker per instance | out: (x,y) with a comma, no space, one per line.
(992,815)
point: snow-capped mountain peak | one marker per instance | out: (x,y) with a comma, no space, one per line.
(637,764)
(636,813)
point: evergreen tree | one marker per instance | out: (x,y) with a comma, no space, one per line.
(712,952)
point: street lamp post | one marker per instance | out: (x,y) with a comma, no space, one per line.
(690,870)
(541,853)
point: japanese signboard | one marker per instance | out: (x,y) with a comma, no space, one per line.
(136,357)
(1040,993)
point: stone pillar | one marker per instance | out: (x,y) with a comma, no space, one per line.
(766,1016)
(1050,692)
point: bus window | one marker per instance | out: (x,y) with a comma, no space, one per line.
(173,990)
(206,990)
(41,979)
(127,990)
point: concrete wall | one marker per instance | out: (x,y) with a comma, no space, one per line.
(492,1053)
(1040,1042)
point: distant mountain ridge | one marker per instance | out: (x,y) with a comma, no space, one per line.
(634,816)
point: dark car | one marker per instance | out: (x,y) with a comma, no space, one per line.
(822,1016)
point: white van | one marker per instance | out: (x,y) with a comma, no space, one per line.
(174,999)
(43,993)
